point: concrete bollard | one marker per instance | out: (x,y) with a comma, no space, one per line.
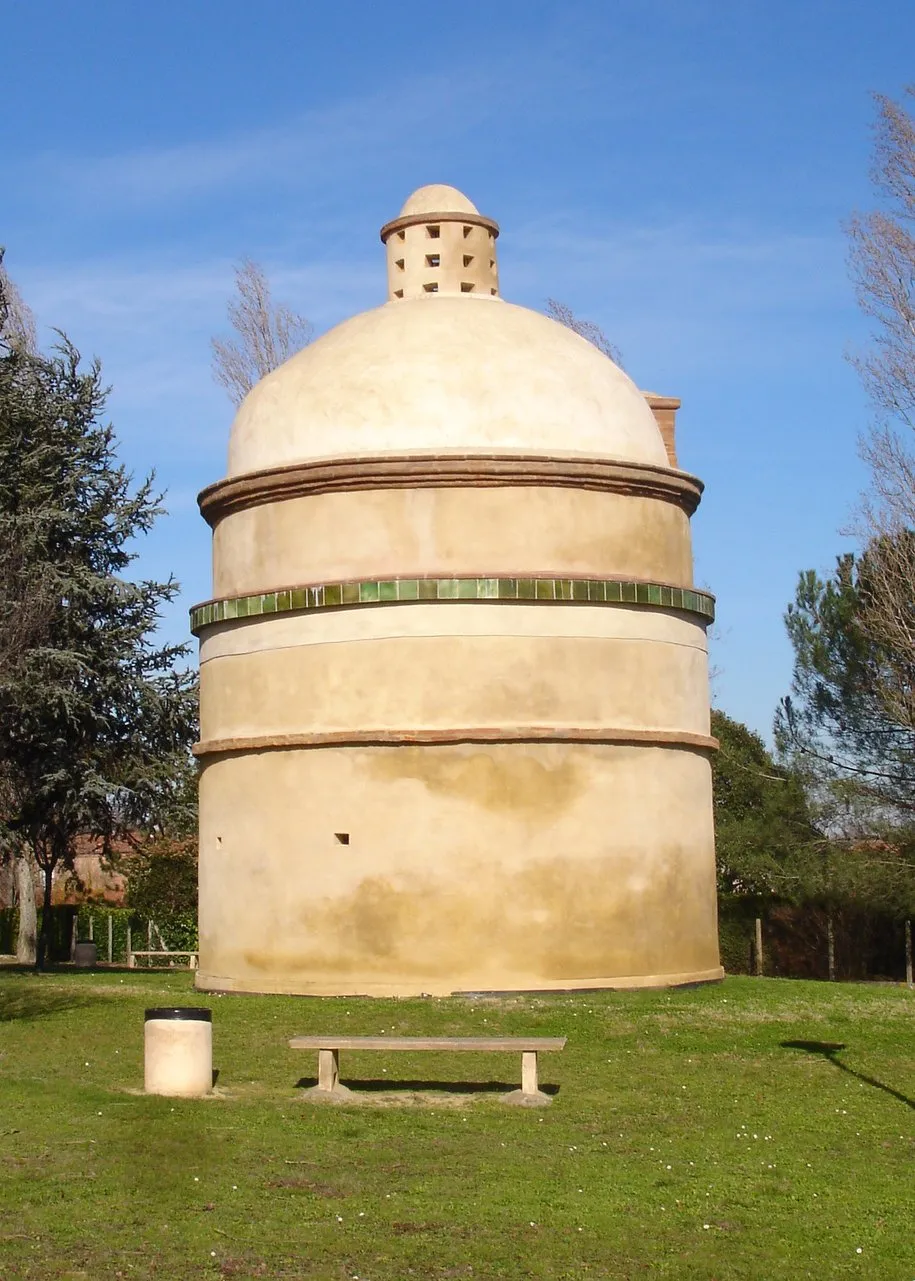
(178,1045)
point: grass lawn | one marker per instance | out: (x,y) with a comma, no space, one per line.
(686,1139)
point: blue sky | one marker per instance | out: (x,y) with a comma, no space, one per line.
(676,170)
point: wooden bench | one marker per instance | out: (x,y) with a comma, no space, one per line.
(329,1046)
(191,958)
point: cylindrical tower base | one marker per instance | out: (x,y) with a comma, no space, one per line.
(555,866)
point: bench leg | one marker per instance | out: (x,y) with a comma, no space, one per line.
(529,1072)
(328,1089)
(530,1094)
(328,1069)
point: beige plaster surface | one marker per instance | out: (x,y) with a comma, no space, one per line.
(315,680)
(454,618)
(494,532)
(459,260)
(441,372)
(553,866)
(437,197)
(438,684)
(440,244)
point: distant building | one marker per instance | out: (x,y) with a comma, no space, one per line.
(92,879)
(454,693)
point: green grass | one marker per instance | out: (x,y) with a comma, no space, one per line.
(685,1139)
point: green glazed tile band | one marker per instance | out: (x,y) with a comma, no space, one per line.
(392,591)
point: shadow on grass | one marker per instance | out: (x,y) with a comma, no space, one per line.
(26,994)
(450,1087)
(829,1049)
(32,1004)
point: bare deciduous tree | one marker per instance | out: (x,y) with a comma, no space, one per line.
(267,334)
(882,258)
(883,262)
(852,713)
(586,329)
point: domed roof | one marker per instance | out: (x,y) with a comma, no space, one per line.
(443,373)
(437,198)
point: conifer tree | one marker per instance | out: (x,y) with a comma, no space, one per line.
(96,717)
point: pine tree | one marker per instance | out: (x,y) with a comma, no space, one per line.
(764,836)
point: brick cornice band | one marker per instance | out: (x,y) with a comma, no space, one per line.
(446,471)
(416,219)
(443,737)
(429,591)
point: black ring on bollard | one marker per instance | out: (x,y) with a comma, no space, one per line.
(190,1012)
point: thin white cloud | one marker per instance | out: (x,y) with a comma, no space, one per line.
(153,296)
(321,147)
(683,296)
(152,325)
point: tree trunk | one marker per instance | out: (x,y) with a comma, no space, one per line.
(908,953)
(44,936)
(28,916)
(759,948)
(831,947)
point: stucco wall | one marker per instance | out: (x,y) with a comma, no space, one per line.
(468,867)
(465,530)
(452,665)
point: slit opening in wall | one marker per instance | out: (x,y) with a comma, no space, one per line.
(467,231)
(433,260)
(468,259)
(431,289)
(342,838)
(466,287)
(433,232)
